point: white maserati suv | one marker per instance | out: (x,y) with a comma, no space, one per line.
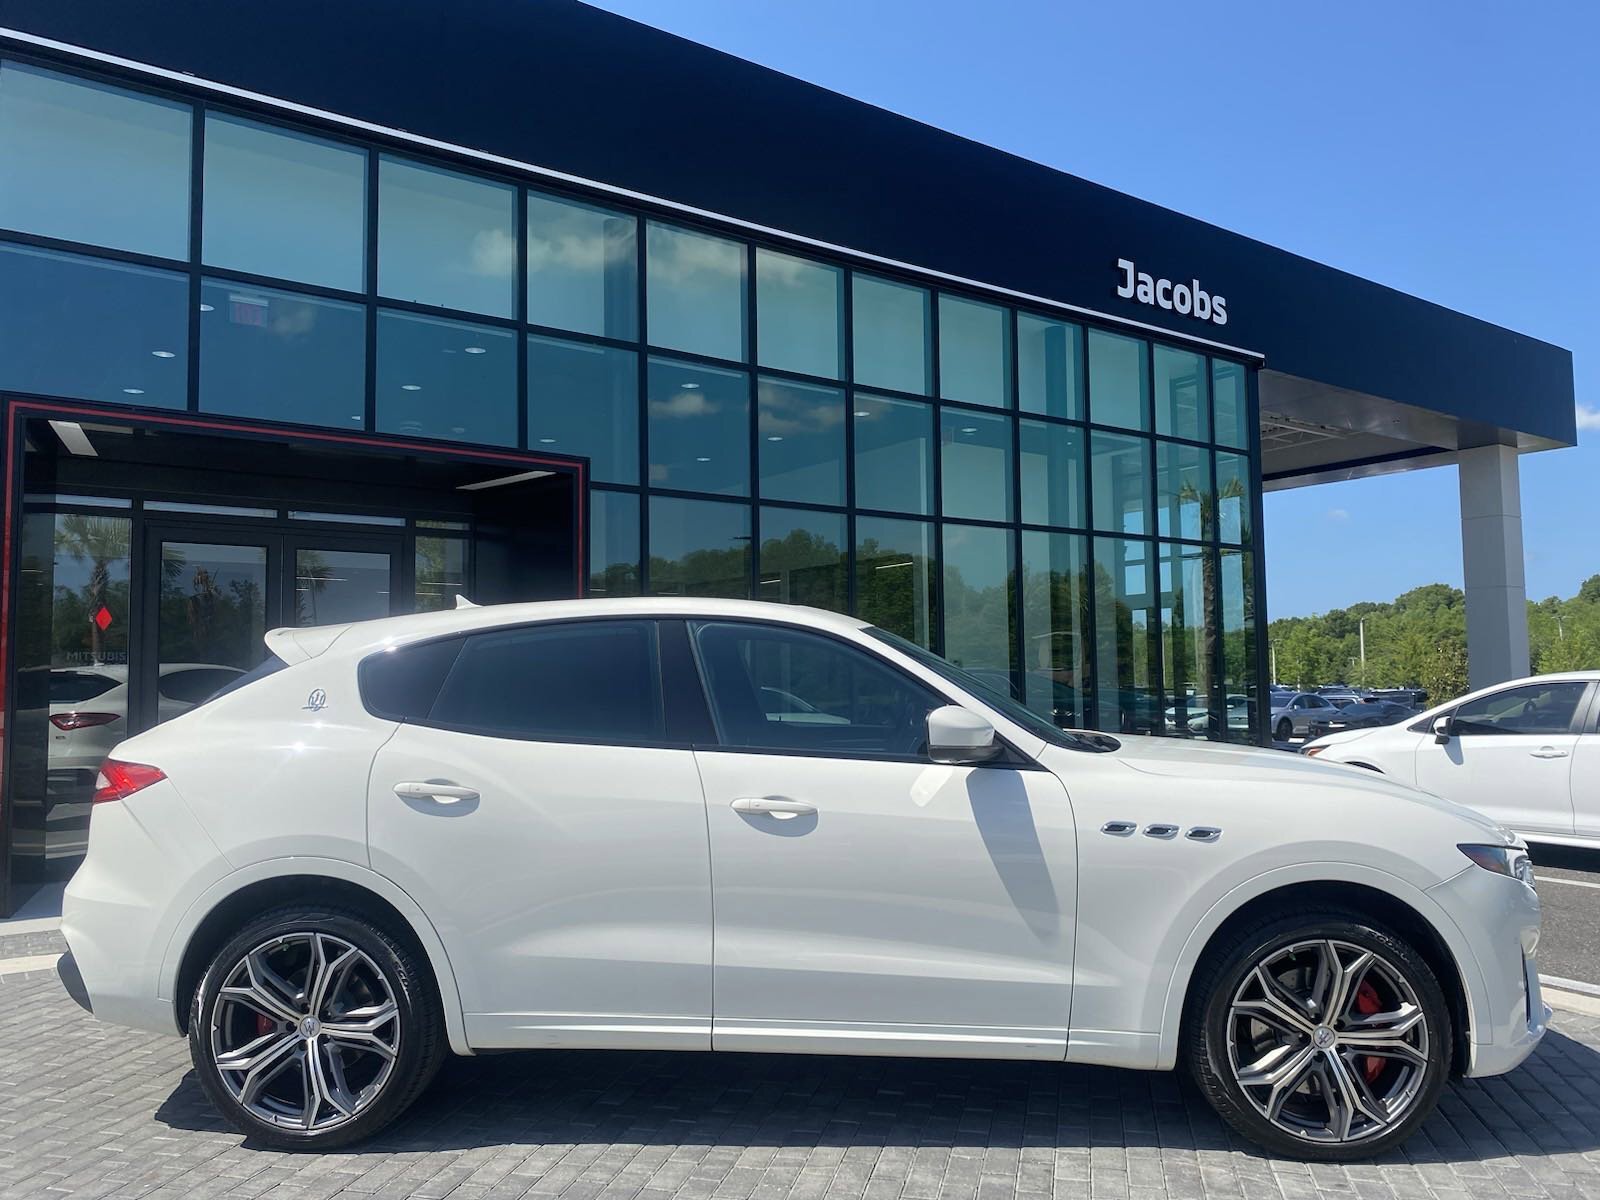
(716,825)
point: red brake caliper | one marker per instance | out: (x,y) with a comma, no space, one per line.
(265,1024)
(1367,1003)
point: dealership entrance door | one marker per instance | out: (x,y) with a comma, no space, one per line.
(148,559)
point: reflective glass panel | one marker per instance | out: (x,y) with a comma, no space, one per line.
(1120,478)
(699,428)
(613,543)
(212,614)
(699,548)
(976,473)
(974,352)
(1055,623)
(1119,381)
(1231,404)
(446,238)
(583,267)
(284,357)
(799,314)
(1233,497)
(696,293)
(801,442)
(441,572)
(1125,637)
(90,163)
(1049,367)
(1239,645)
(1186,505)
(978,613)
(803,558)
(894,454)
(1183,399)
(285,204)
(891,342)
(583,399)
(332,587)
(1052,474)
(895,576)
(92,330)
(1188,598)
(70,648)
(446,379)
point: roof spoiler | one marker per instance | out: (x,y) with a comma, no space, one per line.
(294,645)
(463,602)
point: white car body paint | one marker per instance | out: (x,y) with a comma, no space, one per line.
(590,896)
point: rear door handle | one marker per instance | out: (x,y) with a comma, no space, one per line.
(774,806)
(444,793)
(1548,752)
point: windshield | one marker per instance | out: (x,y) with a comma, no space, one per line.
(983,689)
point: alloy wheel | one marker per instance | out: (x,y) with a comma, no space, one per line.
(1328,1041)
(305,1031)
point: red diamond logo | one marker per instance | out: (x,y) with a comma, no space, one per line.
(102,618)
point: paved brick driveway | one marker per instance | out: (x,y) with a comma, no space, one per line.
(92,1111)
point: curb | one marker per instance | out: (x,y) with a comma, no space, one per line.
(1569,995)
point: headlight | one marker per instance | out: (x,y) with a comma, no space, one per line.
(1511,861)
(1312,751)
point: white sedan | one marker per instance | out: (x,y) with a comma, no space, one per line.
(1526,753)
(580,824)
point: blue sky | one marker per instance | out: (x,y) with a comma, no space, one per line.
(1447,149)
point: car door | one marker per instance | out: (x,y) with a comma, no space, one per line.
(535,803)
(1509,755)
(869,900)
(1586,773)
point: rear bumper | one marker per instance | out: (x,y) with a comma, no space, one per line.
(72,981)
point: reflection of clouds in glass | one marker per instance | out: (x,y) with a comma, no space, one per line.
(686,258)
(493,253)
(682,405)
(786,412)
(784,271)
(577,252)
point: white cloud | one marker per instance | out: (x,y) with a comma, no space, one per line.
(1338,514)
(1588,418)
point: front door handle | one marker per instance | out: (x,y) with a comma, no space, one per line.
(774,806)
(444,793)
(1548,752)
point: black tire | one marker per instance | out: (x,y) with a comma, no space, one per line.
(1416,1081)
(1284,730)
(408,1047)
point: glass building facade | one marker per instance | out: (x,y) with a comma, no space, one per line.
(1061,507)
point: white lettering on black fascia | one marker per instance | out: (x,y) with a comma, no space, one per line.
(1187,299)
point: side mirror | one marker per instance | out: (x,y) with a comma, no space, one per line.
(957,736)
(1441,729)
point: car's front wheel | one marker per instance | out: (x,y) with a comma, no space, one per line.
(1322,1036)
(1285,730)
(313,1028)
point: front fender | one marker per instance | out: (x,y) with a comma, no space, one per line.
(332,868)
(1194,944)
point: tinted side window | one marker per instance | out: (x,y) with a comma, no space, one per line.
(774,688)
(1533,709)
(592,681)
(402,684)
(196,685)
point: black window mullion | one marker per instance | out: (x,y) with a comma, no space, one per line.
(519,306)
(931,359)
(1019,665)
(197,150)
(847,332)
(641,236)
(1156,634)
(372,291)
(752,422)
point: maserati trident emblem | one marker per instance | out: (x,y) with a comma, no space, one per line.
(317,701)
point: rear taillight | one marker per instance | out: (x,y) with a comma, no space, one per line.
(119,780)
(77,720)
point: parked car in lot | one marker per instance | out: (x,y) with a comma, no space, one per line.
(1526,753)
(1301,715)
(593,824)
(1367,714)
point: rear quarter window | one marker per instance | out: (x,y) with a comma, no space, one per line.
(402,684)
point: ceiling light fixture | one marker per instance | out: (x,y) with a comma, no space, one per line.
(208,308)
(134,391)
(74,438)
(476,350)
(410,387)
(689,387)
(502,481)
(163,354)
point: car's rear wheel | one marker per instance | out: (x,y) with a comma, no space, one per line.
(1284,730)
(1322,1036)
(313,1028)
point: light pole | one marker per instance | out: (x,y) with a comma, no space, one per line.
(1362,625)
